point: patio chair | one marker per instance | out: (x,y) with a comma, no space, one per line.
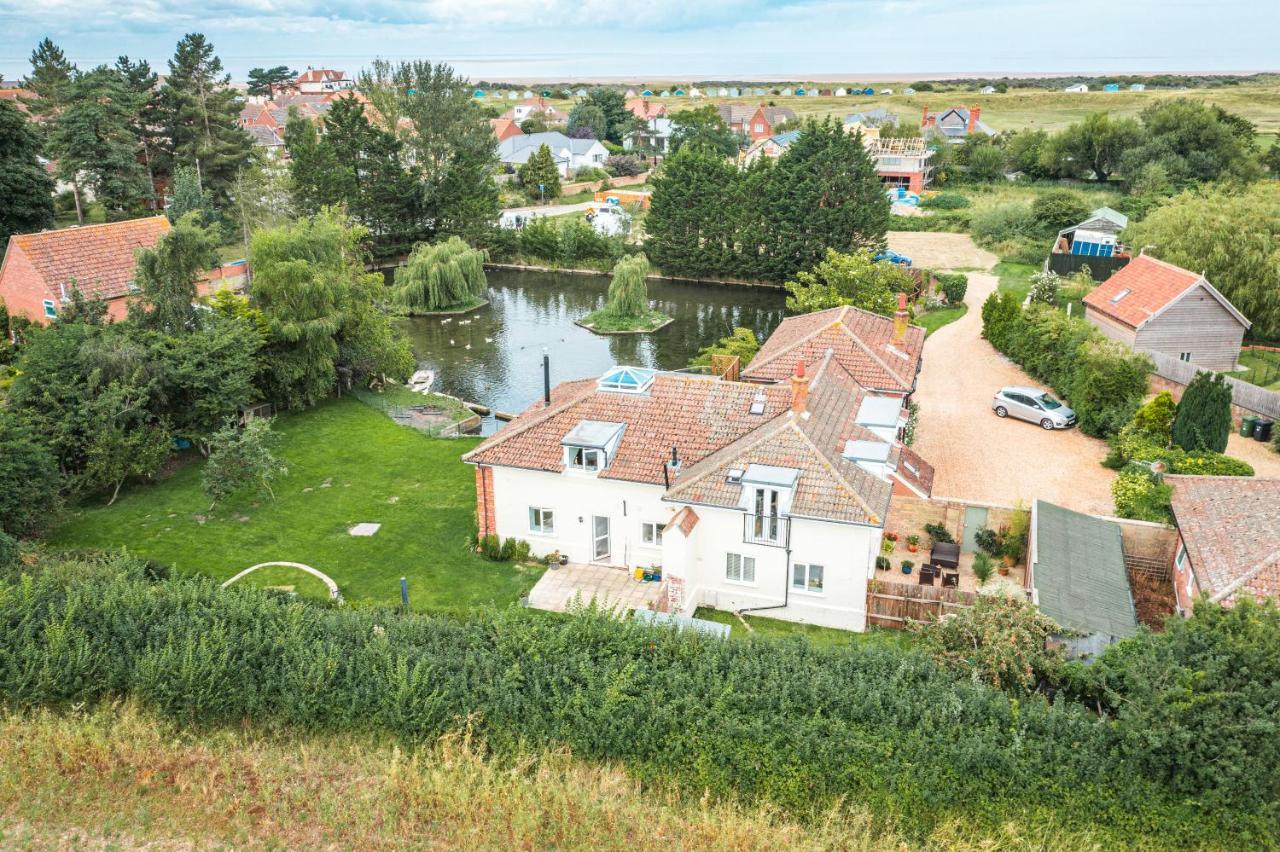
(951,578)
(945,554)
(928,574)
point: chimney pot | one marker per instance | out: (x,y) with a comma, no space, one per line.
(900,319)
(799,390)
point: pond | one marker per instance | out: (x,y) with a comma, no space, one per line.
(493,356)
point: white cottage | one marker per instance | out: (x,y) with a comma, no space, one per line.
(766,496)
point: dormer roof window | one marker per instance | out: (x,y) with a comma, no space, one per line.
(591,444)
(626,380)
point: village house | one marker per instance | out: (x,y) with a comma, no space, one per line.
(769,493)
(653,135)
(504,128)
(646,110)
(531,107)
(322,81)
(1155,306)
(40,270)
(1076,88)
(755,123)
(1228,538)
(899,162)
(570,155)
(954,124)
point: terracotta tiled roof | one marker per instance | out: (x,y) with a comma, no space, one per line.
(504,128)
(98,258)
(862,343)
(696,414)
(1231,528)
(829,487)
(645,109)
(912,469)
(1152,286)
(684,520)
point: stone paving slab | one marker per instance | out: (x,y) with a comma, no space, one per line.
(610,587)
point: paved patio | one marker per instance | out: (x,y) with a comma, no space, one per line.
(610,587)
(968,582)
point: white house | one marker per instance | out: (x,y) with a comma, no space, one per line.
(654,134)
(768,495)
(1077,88)
(987,90)
(569,154)
(322,81)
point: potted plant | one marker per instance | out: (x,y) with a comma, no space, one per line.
(939,534)
(553,559)
(882,563)
(907,565)
(886,547)
(982,567)
(913,543)
(564,559)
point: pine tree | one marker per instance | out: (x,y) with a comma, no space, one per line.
(187,196)
(26,190)
(691,222)
(201,114)
(441,276)
(142,83)
(265,82)
(50,79)
(539,175)
(1203,418)
(95,142)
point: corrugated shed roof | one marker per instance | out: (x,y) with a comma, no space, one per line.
(1079,572)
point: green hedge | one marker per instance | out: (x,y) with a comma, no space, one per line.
(802,726)
(1102,380)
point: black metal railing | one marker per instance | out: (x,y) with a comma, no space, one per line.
(770,530)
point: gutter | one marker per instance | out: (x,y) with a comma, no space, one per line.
(786,581)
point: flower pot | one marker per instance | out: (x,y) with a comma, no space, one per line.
(906,569)
(1003,570)
(913,547)
(564,559)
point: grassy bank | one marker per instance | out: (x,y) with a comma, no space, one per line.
(116,777)
(348,464)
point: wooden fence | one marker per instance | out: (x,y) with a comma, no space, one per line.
(892,604)
(1250,398)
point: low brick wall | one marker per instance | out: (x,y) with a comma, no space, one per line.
(594,185)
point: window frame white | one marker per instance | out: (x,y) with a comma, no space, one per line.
(743,562)
(583,452)
(808,568)
(651,533)
(547,518)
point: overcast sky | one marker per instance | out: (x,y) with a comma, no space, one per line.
(718,39)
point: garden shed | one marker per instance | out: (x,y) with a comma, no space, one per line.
(1078,577)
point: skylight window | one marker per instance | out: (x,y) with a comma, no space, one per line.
(757,404)
(734,475)
(626,380)
(1118,296)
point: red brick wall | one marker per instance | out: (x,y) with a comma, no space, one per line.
(486,517)
(21,288)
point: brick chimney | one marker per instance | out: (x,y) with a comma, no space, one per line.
(924,116)
(799,390)
(900,319)
(974,112)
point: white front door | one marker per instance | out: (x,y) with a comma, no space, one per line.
(600,538)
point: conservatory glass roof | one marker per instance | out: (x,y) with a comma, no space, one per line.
(626,379)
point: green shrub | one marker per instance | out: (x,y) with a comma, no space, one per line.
(1003,222)
(953,285)
(800,726)
(989,540)
(946,201)
(1058,209)
(939,533)
(491,547)
(1136,495)
(9,551)
(1203,417)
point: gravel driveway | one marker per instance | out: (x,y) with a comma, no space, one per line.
(976,455)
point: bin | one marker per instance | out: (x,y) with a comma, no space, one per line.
(1262,430)
(1246,425)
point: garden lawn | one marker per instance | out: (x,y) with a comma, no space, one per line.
(934,320)
(774,628)
(1262,368)
(347,464)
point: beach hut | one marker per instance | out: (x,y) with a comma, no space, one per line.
(722,92)
(759,93)
(513,95)
(631,93)
(987,90)
(886,91)
(786,93)
(1137,87)
(695,93)
(868,91)
(679,93)
(528,94)
(840,93)
(908,91)
(478,93)
(665,94)
(582,93)
(648,94)
(733,91)
(1077,88)
(546,93)
(1111,87)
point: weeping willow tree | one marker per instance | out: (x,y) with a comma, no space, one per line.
(629,290)
(441,276)
(627,304)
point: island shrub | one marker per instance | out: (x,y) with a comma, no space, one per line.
(441,276)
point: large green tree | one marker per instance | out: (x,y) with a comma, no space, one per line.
(539,176)
(703,126)
(26,190)
(448,138)
(1232,237)
(1094,147)
(319,304)
(690,227)
(849,279)
(1202,420)
(94,138)
(265,82)
(166,276)
(618,120)
(145,124)
(587,116)
(50,79)
(1195,143)
(29,479)
(200,113)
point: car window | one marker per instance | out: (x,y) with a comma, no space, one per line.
(1018,398)
(1049,402)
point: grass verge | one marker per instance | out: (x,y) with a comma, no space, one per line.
(348,464)
(934,320)
(774,628)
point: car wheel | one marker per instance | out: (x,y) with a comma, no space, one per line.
(1046,424)
(1001,411)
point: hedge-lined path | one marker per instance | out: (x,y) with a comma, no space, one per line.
(978,456)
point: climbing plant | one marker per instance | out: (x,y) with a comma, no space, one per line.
(440,276)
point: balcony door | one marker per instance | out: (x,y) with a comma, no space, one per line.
(600,538)
(765,511)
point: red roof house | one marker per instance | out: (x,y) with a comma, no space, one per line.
(40,270)
(1155,306)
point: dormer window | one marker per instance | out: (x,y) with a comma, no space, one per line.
(591,444)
